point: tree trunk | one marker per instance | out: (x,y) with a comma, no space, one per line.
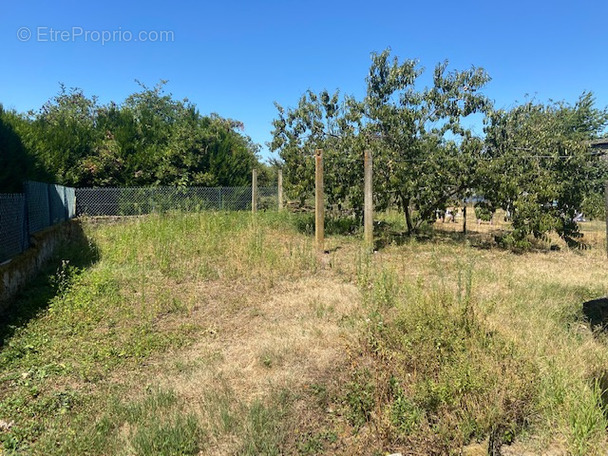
(408,216)
(464,218)
(405,206)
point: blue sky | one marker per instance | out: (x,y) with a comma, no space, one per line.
(236,58)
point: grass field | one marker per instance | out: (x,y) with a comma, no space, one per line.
(217,333)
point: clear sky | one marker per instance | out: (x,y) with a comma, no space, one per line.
(236,58)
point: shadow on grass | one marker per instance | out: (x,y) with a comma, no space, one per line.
(386,234)
(334,226)
(392,233)
(36,295)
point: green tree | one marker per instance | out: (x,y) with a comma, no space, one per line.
(423,152)
(423,156)
(320,121)
(17,162)
(149,139)
(64,134)
(539,165)
(170,143)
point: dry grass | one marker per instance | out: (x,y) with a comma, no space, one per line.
(234,333)
(533,303)
(273,343)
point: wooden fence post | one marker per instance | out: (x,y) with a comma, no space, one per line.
(319,206)
(606,197)
(368,206)
(280,188)
(254,190)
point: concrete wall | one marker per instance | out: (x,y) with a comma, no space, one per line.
(15,274)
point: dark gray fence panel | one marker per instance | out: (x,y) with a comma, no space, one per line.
(13,229)
(21,215)
(38,211)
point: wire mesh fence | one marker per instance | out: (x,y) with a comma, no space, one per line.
(146,200)
(38,211)
(38,207)
(43,205)
(13,229)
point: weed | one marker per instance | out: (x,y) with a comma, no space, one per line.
(360,398)
(458,344)
(264,430)
(179,437)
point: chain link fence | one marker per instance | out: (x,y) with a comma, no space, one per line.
(38,207)
(146,200)
(38,210)
(13,228)
(43,205)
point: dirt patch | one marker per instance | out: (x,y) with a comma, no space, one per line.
(256,344)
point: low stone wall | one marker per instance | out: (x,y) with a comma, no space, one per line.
(15,274)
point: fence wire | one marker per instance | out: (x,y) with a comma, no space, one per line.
(146,200)
(13,230)
(268,198)
(38,211)
(40,206)
(43,205)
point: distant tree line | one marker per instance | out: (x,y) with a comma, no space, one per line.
(148,139)
(533,160)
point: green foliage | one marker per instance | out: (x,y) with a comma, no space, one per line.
(594,205)
(423,156)
(360,398)
(178,438)
(264,431)
(534,162)
(17,162)
(405,415)
(538,165)
(103,307)
(63,134)
(484,211)
(149,139)
(439,378)
(320,121)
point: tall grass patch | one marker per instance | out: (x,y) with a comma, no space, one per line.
(134,300)
(438,379)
